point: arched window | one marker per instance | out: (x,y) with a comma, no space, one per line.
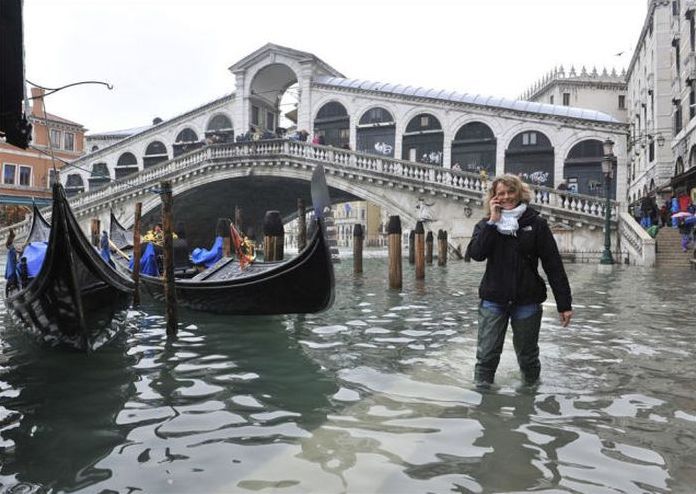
(692,157)
(186,140)
(333,125)
(126,164)
(220,129)
(376,132)
(156,152)
(74,184)
(186,136)
(679,167)
(95,148)
(99,175)
(474,148)
(583,169)
(423,140)
(530,156)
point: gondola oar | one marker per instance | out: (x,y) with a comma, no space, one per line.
(320,192)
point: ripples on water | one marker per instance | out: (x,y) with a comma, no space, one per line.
(374,395)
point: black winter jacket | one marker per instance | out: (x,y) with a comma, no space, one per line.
(512,275)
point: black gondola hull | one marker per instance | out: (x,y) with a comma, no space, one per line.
(302,285)
(76,300)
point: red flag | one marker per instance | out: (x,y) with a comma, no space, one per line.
(237,241)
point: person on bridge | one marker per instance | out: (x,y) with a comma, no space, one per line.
(512,239)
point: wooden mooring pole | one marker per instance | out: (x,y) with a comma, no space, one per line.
(301,225)
(136,253)
(358,237)
(412,247)
(168,248)
(273,236)
(441,248)
(95,230)
(420,250)
(394,235)
(429,248)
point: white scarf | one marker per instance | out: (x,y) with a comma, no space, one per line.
(507,224)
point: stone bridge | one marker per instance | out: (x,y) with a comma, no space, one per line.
(272,174)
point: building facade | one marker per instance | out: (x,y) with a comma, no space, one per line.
(27,173)
(603,91)
(683,182)
(651,110)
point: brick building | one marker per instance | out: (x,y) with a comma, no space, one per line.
(26,173)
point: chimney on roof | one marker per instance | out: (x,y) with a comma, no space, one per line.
(37,106)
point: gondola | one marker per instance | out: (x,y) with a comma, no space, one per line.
(120,237)
(40,228)
(76,299)
(303,284)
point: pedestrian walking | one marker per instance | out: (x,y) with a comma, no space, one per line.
(512,239)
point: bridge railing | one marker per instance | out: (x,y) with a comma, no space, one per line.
(385,168)
(640,246)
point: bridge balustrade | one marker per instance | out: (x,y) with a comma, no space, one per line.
(575,206)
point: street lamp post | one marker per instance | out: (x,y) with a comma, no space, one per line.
(608,170)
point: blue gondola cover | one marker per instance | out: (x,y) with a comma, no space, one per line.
(148,261)
(205,257)
(35,253)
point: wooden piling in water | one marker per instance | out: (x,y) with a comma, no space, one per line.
(441,248)
(168,248)
(95,230)
(429,248)
(412,247)
(358,237)
(136,253)
(394,236)
(419,244)
(301,225)
(273,236)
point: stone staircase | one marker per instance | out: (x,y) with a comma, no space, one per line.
(669,251)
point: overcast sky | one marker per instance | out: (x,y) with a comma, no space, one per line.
(165,57)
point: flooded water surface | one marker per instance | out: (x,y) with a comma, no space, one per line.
(374,395)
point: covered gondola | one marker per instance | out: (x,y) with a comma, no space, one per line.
(303,284)
(76,299)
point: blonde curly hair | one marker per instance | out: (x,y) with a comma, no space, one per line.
(514,183)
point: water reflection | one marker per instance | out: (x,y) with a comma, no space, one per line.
(375,395)
(54,402)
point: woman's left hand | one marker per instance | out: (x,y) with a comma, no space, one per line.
(565,317)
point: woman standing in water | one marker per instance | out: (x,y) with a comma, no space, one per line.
(512,239)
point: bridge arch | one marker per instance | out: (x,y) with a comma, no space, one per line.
(74,184)
(582,168)
(376,130)
(332,123)
(155,152)
(186,140)
(126,164)
(351,189)
(219,128)
(423,139)
(267,85)
(530,155)
(99,175)
(474,148)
